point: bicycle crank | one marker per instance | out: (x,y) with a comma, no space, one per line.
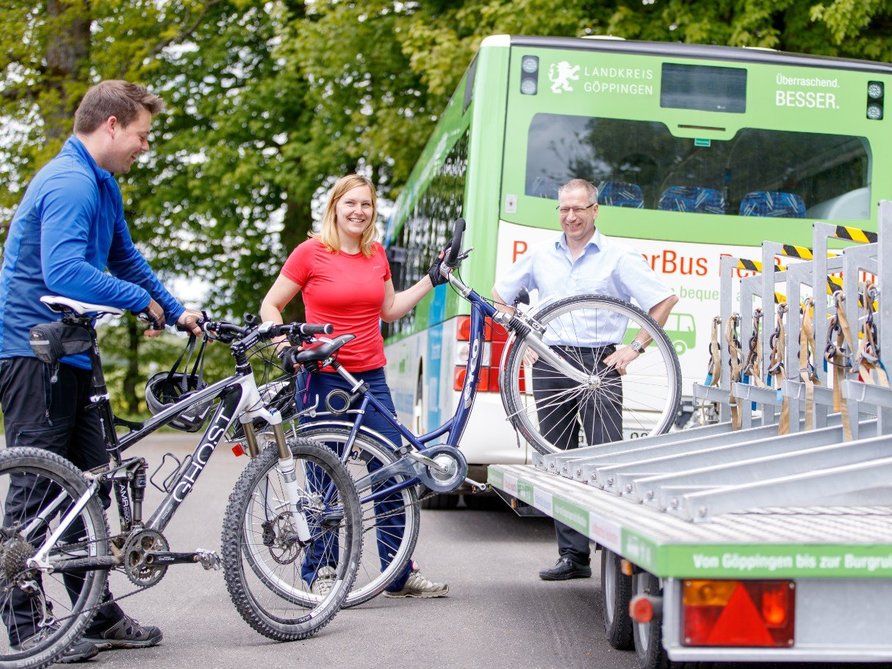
(441,468)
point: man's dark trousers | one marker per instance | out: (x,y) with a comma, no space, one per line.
(49,413)
(600,414)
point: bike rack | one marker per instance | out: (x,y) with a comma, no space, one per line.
(699,473)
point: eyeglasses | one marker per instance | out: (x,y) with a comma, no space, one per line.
(565,211)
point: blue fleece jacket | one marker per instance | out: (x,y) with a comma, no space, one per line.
(68,229)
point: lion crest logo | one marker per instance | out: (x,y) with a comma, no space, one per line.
(561,74)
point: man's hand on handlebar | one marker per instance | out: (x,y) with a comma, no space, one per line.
(190,321)
(155,315)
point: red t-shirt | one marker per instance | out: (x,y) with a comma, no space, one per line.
(347,291)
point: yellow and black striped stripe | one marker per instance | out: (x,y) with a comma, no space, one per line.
(856,234)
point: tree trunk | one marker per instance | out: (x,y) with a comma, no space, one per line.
(298,223)
(67,62)
(132,378)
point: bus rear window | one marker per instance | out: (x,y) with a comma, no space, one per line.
(703,87)
(758,172)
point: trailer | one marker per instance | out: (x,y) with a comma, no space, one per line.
(767,536)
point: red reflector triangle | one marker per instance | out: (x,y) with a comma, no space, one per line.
(740,623)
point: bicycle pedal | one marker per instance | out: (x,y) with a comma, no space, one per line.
(208,559)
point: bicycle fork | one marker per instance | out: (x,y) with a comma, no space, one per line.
(287,470)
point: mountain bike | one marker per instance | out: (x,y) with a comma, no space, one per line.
(563,341)
(56,550)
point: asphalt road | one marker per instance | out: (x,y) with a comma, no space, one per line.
(498,613)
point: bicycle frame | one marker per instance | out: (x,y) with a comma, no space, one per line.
(240,399)
(521,326)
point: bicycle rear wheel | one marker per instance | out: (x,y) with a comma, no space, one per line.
(642,402)
(43,610)
(389,525)
(269,573)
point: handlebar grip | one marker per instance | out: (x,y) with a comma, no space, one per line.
(451,259)
(312,329)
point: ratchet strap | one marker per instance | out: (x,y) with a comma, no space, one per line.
(733,342)
(776,372)
(838,353)
(870,367)
(807,356)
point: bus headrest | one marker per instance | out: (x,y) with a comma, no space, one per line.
(775,204)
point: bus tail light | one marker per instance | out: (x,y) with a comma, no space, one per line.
(494,343)
(738,613)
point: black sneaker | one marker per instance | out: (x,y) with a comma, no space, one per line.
(565,569)
(126,633)
(79,651)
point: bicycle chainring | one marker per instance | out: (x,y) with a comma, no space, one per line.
(138,551)
(450,472)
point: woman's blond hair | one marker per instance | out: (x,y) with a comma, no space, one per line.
(329,233)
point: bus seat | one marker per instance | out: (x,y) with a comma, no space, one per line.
(775,204)
(692,198)
(620,194)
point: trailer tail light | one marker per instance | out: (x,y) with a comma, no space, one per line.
(494,337)
(738,613)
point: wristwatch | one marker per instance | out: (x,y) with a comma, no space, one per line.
(636,346)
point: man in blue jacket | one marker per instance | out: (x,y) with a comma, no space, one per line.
(67,231)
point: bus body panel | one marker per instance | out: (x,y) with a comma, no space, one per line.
(496,159)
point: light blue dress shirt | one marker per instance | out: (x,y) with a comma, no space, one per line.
(605,267)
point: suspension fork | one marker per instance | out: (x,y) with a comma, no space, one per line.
(288,471)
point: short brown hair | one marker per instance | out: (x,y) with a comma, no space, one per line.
(117,98)
(329,233)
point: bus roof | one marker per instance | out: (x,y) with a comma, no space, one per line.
(701,51)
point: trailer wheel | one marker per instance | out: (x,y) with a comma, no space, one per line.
(616,591)
(649,636)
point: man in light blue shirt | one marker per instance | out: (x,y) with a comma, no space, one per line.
(583,261)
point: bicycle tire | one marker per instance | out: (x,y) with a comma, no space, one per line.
(651,390)
(52,482)
(373,578)
(261,561)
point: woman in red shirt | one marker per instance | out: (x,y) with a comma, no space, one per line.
(345,280)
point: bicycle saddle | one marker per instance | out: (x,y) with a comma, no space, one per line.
(325,350)
(60,304)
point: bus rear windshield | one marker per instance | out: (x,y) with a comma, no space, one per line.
(758,172)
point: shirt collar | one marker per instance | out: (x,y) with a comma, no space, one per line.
(77,147)
(596,242)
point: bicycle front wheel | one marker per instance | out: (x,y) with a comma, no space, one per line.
(554,410)
(284,588)
(46,610)
(390,524)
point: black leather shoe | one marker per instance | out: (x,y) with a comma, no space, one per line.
(565,569)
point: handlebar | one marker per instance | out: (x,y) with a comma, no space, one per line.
(451,259)
(229,332)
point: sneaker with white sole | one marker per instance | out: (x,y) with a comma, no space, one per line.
(325,581)
(420,587)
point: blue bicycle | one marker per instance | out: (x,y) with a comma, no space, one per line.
(553,357)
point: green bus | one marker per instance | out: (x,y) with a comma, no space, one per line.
(698,151)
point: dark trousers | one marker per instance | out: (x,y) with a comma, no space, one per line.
(562,410)
(391,522)
(54,416)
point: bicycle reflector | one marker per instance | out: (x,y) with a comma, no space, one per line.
(738,613)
